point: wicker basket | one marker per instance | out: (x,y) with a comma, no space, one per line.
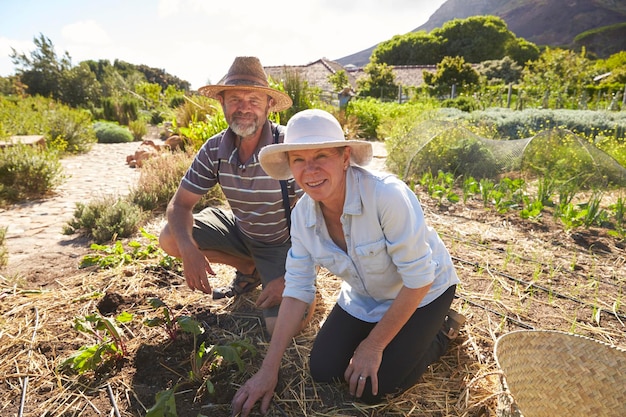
(551,374)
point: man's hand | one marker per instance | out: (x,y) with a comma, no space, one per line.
(195,268)
(272,294)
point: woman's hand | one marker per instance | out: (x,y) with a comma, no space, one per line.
(364,364)
(260,387)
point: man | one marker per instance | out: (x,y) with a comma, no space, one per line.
(254,237)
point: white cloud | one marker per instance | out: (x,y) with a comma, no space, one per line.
(168,8)
(85,32)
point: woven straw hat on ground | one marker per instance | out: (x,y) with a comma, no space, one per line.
(551,374)
(247,73)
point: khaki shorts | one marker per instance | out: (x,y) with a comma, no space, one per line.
(215,229)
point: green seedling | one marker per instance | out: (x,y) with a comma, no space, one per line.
(170,322)
(110,344)
(115,255)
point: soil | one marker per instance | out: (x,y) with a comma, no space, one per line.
(516,275)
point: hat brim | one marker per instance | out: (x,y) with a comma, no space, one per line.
(275,162)
(282,101)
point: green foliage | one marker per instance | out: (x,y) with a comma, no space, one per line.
(70,130)
(558,73)
(452,71)
(476,38)
(302,95)
(500,71)
(138,129)
(159,180)
(106,219)
(379,82)
(412,48)
(108,132)
(440,186)
(115,255)
(172,323)
(66,129)
(42,73)
(27,172)
(463,103)
(339,80)
(109,346)
(121,110)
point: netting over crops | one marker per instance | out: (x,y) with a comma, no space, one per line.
(449,147)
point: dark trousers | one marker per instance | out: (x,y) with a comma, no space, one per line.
(419,343)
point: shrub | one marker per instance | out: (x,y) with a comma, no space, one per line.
(159,179)
(70,130)
(106,219)
(27,172)
(138,128)
(108,132)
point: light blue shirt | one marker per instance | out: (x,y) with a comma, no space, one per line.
(388,245)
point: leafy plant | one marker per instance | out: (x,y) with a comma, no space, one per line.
(110,345)
(116,255)
(170,321)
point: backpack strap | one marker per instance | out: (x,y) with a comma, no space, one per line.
(283,187)
(283,183)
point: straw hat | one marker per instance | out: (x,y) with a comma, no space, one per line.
(247,73)
(552,373)
(310,129)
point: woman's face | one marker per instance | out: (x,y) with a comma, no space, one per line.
(321,172)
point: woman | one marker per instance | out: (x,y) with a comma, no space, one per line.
(392,318)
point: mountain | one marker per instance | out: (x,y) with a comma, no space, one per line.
(599,25)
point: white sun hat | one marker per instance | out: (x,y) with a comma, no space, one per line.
(310,129)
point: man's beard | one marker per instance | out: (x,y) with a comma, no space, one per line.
(244,128)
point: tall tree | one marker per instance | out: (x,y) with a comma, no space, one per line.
(42,73)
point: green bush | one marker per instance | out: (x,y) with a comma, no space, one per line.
(70,130)
(66,129)
(106,219)
(138,128)
(28,172)
(108,132)
(159,179)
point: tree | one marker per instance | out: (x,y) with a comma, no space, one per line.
(476,39)
(522,51)
(452,71)
(379,83)
(415,48)
(79,87)
(43,71)
(557,72)
(500,71)
(339,80)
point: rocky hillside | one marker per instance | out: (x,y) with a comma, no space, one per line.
(564,23)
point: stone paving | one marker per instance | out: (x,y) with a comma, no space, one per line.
(35,228)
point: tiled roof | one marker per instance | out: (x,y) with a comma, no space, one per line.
(316,73)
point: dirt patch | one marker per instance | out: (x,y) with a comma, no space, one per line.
(516,274)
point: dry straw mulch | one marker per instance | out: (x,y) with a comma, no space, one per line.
(515,275)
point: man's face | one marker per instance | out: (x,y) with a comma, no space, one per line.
(245,111)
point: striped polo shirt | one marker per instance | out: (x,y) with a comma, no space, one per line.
(254,197)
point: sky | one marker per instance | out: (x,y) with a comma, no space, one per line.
(197,40)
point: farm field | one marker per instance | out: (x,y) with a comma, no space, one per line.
(516,274)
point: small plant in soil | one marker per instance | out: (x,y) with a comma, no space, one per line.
(170,321)
(110,345)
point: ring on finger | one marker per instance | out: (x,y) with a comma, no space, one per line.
(362,378)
